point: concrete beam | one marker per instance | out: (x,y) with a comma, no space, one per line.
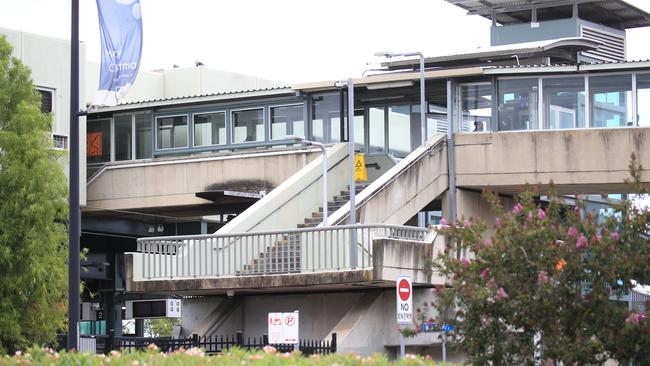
(168,183)
(576,161)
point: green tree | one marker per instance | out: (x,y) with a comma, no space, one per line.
(33,214)
(542,281)
(160,327)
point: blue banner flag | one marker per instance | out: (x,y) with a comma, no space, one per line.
(120,27)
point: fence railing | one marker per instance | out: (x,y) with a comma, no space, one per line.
(102,344)
(258,253)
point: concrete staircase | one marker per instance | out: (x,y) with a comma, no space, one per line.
(338,202)
(284,256)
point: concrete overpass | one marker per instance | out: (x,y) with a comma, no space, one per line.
(174,185)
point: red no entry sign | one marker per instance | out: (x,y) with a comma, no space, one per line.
(404,289)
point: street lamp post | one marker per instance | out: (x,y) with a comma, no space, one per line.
(324,154)
(423,125)
(75,213)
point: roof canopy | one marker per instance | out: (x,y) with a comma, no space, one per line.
(563,49)
(613,13)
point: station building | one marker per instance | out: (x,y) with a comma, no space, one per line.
(204,195)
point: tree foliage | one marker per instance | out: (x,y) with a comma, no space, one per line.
(33,212)
(543,280)
(160,327)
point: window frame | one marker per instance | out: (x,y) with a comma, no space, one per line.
(187,138)
(225,126)
(291,132)
(110,146)
(264,123)
(633,96)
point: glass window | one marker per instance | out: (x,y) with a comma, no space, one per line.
(643,97)
(172,132)
(248,125)
(123,137)
(376,130)
(143,149)
(287,121)
(611,100)
(564,103)
(399,130)
(359,130)
(98,141)
(209,129)
(476,104)
(518,104)
(326,116)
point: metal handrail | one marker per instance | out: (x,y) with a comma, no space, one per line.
(315,249)
(285,231)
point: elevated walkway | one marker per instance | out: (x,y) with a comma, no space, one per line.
(173,183)
(580,161)
(311,259)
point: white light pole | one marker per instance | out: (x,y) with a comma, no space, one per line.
(423,125)
(324,154)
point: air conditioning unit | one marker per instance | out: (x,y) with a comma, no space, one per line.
(151,309)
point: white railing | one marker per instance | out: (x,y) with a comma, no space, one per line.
(262,253)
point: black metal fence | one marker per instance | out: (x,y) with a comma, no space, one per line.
(210,344)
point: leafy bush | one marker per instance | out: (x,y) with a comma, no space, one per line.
(543,280)
(195,357)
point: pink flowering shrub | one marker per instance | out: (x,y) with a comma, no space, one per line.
(551,270)
(196,357)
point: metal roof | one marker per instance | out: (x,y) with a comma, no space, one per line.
(540,49)
(237,94)
(613,13)
(386,79)
(561,68)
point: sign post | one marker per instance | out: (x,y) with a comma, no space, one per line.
(404,291)
(283,328)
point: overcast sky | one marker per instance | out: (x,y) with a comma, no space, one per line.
(286,40)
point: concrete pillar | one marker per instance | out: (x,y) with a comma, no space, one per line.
(472,204)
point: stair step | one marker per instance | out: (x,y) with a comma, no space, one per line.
(279,253)
(312,220)
(256,273)
(330,208)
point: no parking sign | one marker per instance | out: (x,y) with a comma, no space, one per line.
(283,328)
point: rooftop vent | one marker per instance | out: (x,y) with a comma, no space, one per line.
(612,46)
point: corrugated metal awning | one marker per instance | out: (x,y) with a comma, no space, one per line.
(379,79)
(527,49)
(617,14)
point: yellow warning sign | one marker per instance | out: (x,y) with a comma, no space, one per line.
(360,173)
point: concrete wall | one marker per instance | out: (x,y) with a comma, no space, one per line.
(166,183)
(148,85)
(296,198)
(577,161)
(49,61)
(394,257)
(202,80)
(404,189)
(365,321)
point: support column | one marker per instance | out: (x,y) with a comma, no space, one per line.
(139,327)
(451,160)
